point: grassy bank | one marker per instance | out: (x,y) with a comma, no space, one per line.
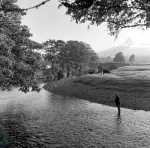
(134,92)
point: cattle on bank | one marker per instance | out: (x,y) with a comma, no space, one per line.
(105,71)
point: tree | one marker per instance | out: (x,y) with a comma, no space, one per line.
(18,62)
(61,53)
(131,58)
(118,14)
(50,47)
(119,57)
(73,54)
(108,59)
(78,54)
(93,56)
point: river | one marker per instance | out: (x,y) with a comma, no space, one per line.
(44,120)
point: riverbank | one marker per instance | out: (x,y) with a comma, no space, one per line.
(134,93)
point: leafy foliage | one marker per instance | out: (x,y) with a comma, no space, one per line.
(5,7)
(70,54)
(132,57)
(118,14)
(119,57)
(78,54)
(112,67)
(53,49)
(18,62)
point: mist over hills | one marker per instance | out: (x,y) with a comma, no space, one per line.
(142,54)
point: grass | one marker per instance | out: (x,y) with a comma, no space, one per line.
(106,65)
(133,87)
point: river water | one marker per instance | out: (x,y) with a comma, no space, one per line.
(44,120)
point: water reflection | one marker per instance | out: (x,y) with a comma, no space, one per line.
(118,119)
(50,121)
(119,126)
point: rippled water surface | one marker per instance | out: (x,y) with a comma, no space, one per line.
(47,121)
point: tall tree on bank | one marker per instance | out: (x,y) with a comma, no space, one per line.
(50,47)
(61,53)
(132,58)
(77,54)
(18,63)
(119,57)
(93,56)
(70,55)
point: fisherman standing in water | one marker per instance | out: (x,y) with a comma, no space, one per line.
(117,101)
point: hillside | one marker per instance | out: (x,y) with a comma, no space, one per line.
(139,51)
(142,55)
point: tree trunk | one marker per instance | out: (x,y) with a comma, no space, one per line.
(52,66)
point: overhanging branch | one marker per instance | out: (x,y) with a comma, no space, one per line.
(136,25)
(36,6)
(21,10)
(126,26)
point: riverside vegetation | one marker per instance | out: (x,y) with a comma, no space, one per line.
(131,82)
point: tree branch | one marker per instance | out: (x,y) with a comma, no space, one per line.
(126,26)
(136,25)
(36,6)
(21,10)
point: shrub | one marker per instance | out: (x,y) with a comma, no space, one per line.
(112,67)
(91,71)
(99,69)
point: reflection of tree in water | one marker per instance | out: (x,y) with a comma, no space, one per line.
(3,135)
(3,140)
(17,134)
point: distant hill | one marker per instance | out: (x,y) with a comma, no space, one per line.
(142,55)
(143,59)
(139,59)
(138,51)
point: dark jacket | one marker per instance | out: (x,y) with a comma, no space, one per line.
(117,100)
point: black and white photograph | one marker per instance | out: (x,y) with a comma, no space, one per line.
(74,74)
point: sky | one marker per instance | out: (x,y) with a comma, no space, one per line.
(49,22)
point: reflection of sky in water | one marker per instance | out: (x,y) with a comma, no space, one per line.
(52,121)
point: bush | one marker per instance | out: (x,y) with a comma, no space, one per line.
(91,71)
(112,67)
(99,69)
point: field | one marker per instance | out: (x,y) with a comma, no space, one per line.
(131,82)
(106,65)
